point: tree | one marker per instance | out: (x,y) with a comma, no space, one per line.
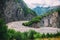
(3,30)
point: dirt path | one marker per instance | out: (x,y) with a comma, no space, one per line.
(19,27)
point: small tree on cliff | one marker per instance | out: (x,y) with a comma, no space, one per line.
(3,30)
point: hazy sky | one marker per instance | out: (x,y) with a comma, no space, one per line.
(45,3)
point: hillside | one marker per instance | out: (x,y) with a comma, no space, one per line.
(51,19)
(14,10)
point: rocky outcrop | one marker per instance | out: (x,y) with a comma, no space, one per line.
(14,10)
(52,20)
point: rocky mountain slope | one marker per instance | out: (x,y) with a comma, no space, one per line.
(14,10)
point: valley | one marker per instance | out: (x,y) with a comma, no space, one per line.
(19,27)
(19,21)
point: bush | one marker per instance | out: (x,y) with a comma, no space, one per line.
(37,35)
(51,35)
(25,36)
(34,20)
(3,30)
(57,34)
(27,24)
(11,34)
(43,35)
(18,36)
(47,35)
(31,34)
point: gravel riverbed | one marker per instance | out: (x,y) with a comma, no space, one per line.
(19,27)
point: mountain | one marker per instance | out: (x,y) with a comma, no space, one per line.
(42,10)
(14,10)
(50,19)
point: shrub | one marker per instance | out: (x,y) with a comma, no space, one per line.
(18,36)
(27,23)
(3,30)
(57,34)
(43,35)
(31,34)
(11,34)
(25,35)
(47,35)
(51,35)
(34,20)
(37,35)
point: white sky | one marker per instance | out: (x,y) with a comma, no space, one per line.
(34,3)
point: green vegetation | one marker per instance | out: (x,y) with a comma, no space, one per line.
(22,5)
(35,20)
(10,34)
(31,35)
(38,18)
(29,11)
(25,8)
(58,9)
(3,30)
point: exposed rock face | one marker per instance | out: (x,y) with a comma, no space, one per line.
(13,11)
(52,20)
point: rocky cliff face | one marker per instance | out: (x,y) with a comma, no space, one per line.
(15,10)
(52,20)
